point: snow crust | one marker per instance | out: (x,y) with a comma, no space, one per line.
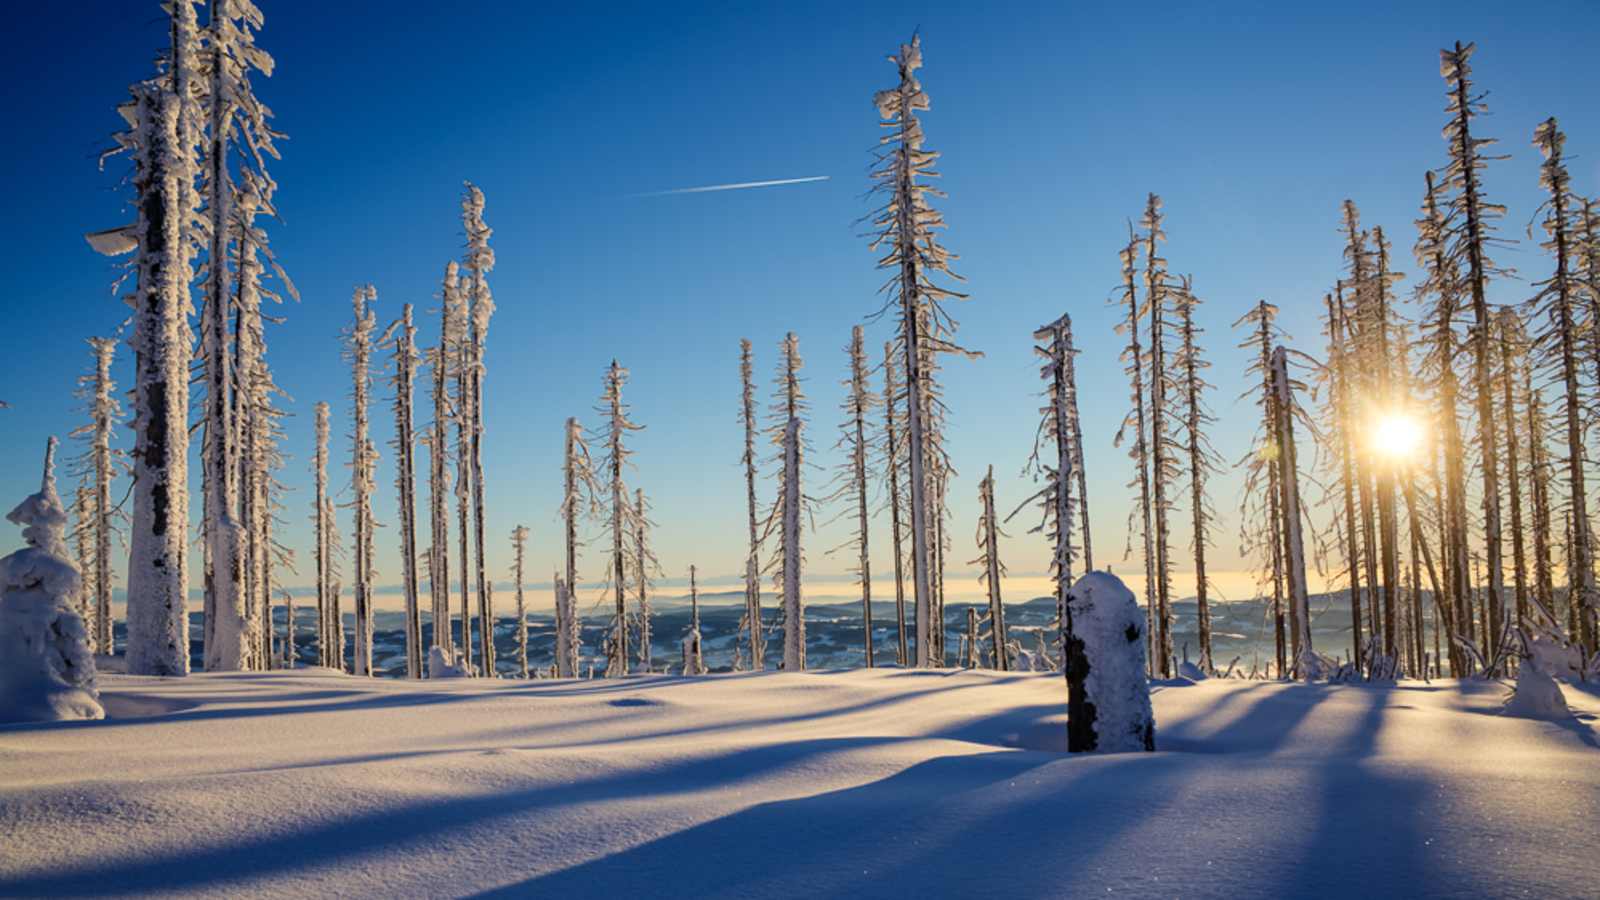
(786,784)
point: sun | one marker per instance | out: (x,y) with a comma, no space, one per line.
(1397,435)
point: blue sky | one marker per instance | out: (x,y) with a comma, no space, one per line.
(1253,121)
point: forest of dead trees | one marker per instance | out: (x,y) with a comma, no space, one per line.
(1428,457)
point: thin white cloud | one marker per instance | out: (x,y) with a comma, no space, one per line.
(743,185)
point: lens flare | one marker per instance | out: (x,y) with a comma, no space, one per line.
(1397,436)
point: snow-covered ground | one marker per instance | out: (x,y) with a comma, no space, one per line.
(860,783)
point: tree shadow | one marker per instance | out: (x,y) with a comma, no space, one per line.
(215,868)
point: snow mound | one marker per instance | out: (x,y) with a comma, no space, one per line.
(447,665)
(46,668)
(1107,619)
(1537,696)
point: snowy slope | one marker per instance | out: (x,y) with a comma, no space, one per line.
(891,783)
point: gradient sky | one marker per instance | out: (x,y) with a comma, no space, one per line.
(1253,121)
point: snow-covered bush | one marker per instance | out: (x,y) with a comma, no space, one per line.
(1108,696)
(46,667)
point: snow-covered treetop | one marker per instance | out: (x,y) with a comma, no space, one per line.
(42,516)
(480,260)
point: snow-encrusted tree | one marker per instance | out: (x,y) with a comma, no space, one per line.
(1108,695)
(479,262)
(1513,355)
(440,359)
(331,652)
(1133,357)
(1339,427)
(751,623)
(791,505)
(236,124)
(1558,349)
(458,347)
(991,571)
(403,342)
(619,514)
(519,551)
(1260,519)
(164,140)
(100,463)
(1053,459)
(694,662)
(1439,292)
(1307,666)
(1163,449)
(1469,236)
(645,567)
(363,462)
(905,226)
(1204,460)
(894,494)
(256,418)
(580,496)
(851,478)
(47,669)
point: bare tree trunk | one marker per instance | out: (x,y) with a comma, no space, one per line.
(752,562)
(857,406)
(892,468)
(519,545)
(989,544)
(405,362)
(1465,163)
(1160,465)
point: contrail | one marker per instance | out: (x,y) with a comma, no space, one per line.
(735,187)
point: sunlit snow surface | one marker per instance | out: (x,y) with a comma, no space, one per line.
(880,783)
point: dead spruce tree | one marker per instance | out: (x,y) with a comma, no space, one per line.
(322,533)
(580,496)
(1512,342)
(906,227)
(1339,427)
(402,340)
(1162,448)
(1469,235)
(236,122)
(645,567)
(519,551)
(1204,461)
(256,418)
(163,140)
(1307,665)
(1556,344)
(1133,359)
(100,464)
(620,514)
(1260,517)
(479,262)
(439,360)
(1439,295)
(786,431)
(1053,460)
(751,623)
(894,495)
(458,348)
(991,569)
(693,661)
(851,478)
(363,462)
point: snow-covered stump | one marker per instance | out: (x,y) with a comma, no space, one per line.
(46,667)
(1108,696)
